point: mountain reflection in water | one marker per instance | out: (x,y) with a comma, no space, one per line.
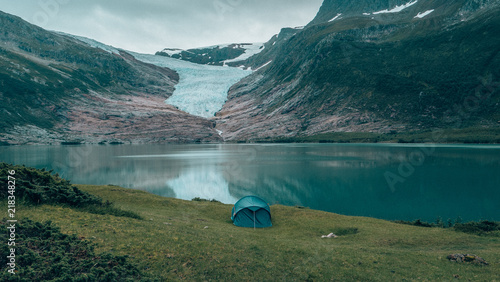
(448,181)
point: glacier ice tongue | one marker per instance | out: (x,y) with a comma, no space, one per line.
(202,89)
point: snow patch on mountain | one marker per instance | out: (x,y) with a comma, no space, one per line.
(250,50)
(92,43)
(422,15)
(172,51)
(397,9)
(264,65)
(336,17)
(219,46)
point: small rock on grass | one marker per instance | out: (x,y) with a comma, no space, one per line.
(467,258)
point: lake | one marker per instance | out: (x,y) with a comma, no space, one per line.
(388,181)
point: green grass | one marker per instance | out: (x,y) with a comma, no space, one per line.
(172,242)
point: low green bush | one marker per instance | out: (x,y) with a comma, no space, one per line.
(198,199)
(417,222)
(39,186)
(484,227)
(36,187)
(43,253)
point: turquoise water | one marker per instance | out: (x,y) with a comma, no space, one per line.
(388,181)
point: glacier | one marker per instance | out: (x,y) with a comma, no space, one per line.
(202,89)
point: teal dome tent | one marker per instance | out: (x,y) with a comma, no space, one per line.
(252,212)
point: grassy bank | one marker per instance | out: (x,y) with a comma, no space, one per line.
(466,135)
(195,240)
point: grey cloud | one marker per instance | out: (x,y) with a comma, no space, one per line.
(150,25)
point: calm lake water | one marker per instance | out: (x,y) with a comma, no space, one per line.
(388,181)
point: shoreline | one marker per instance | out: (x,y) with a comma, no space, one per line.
(69,144)
(474,136)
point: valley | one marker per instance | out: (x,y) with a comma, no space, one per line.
(407,68)
(198,129)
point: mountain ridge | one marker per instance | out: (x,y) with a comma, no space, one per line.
(390,73)
(57,89)
(381,67)
(217,55)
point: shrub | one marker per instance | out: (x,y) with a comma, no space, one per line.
(198,199)
(417,222)
(44,253)
(37,187)
(485,227)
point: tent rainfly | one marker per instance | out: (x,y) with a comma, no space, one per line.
(251,211)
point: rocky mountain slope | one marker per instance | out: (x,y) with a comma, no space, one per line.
(56,89)
(374,66)
(393,66)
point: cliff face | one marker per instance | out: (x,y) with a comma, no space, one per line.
(57,89)
(380,66)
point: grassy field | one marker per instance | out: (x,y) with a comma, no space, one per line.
(196,241)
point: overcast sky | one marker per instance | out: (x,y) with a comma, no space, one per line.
(150,25)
